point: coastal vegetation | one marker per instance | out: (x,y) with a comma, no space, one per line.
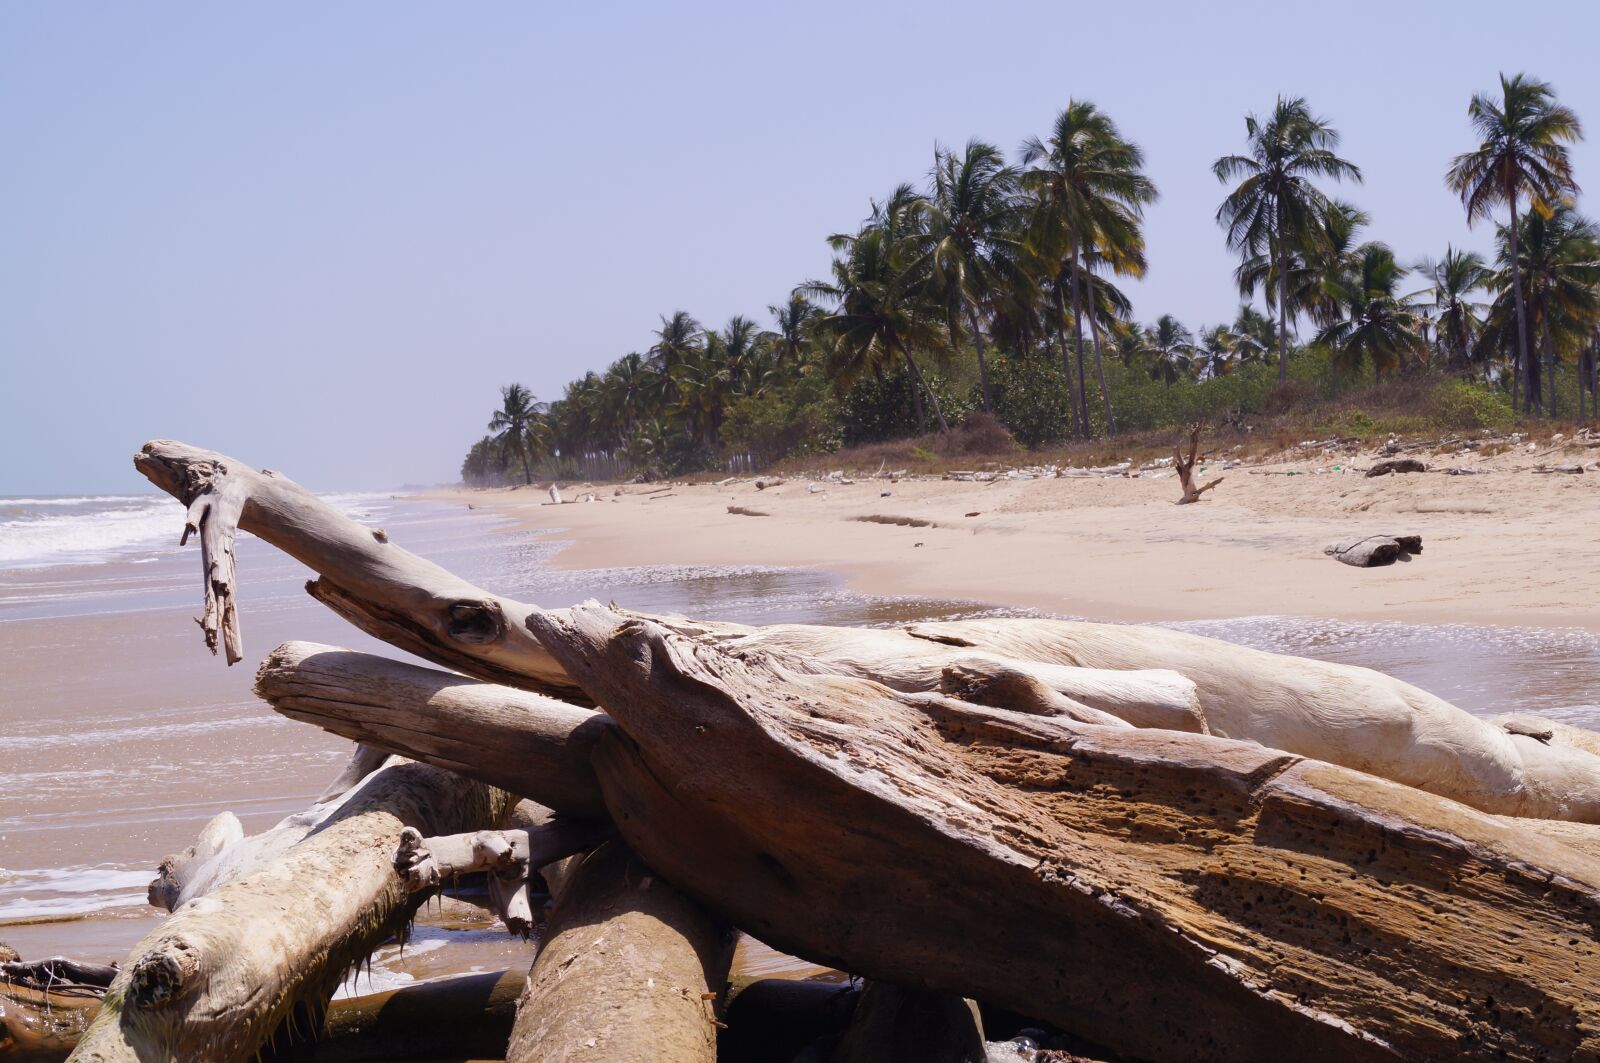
(990,297)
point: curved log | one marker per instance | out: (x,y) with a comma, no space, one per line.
(1294,909)
(532,745)
(386,591)
(226,969)
(629,969)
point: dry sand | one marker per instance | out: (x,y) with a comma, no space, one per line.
(1510,546)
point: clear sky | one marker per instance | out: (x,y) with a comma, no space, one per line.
(319,237)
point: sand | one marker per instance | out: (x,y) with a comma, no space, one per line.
(1510,546)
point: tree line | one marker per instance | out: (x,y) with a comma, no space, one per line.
(996,287)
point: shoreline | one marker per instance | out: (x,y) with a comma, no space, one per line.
(1506,547)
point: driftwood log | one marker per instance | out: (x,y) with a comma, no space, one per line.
(629,971)
(1396,465)
(1374,551)
(1293,909)
(1166,893)
(1185,466)
(257,957)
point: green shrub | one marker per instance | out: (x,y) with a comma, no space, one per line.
(1462,405)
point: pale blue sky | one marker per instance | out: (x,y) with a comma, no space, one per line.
(320,236)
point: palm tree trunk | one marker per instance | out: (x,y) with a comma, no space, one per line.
(944,426)
(1283,305)
(918,405)
(1531,396)
(1099,361)
(1078,428)
(983,358)
(1550,361)
(1077,342)
(527,473)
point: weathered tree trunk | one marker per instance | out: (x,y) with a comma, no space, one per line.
(225,971)
(629,969)
(1293,908)
(384,590)
(534,746)
(1185,467)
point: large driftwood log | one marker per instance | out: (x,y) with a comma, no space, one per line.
(1294,909)
(1374,551)
(227,969)
(629,969)
(532,745)
(1345,715)
(386,591)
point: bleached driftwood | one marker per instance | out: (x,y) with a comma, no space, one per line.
(228,969)
(628,971)
(1185,467)
(1374,551)
(534,746)
(536,837)
(1349,716)
(1294,909)
(384,590)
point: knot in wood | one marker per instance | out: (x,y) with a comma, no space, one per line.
(164,974)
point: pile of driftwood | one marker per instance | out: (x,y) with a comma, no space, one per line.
(1163,846)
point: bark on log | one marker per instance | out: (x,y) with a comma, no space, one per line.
(534,746)
(225,970)
(893,1024)
(1294,909)
(628,971)
(384,590)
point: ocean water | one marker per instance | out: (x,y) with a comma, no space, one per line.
(120,736)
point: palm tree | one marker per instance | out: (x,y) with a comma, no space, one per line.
(974,249)
(1170,347)
(1276,207)
(877,319)
(1522,153)
(1558,266)
(1378,325)
(512,423)
(1089,192)
(1452,279)
(791,343)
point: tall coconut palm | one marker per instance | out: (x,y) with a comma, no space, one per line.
(1521,153)
(1169,346)
(1379,325)
(1276,207)
(1558,266)
(513,421)
(971,224)
(1089,192)
(1457,317)
(877,319)
(791,341)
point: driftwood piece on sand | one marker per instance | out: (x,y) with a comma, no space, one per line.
(1185,467)
(1294,909)
(262,953)
(534,746)
(1374,551)
(629,970)
(1396,465)
(386,591)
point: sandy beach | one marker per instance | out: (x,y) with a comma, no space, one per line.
(1507,546)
